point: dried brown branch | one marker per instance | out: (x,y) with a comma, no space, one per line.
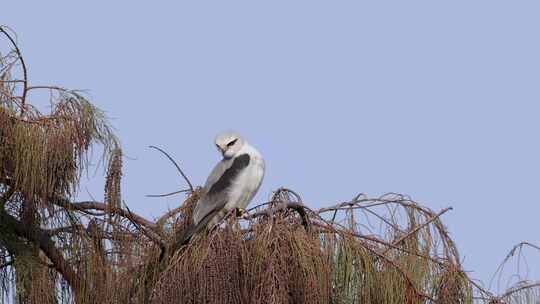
(25,74)
(168,194)
(44,242)
(176,165)
(54,88)
(148,233)
(11,81)
(298,207)
(517,289)
(168,215)
(516,250)
(384,243)
(65,229)
(373,202)
(93,205)
(418,227)
(519,246)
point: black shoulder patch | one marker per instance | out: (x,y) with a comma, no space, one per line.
(239,163)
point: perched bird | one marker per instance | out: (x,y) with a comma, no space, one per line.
(232,184)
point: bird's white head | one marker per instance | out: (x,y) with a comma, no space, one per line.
(229,143)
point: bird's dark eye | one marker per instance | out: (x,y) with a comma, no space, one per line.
(232,143)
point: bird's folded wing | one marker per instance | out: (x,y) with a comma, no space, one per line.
(207,206)
(209,200)
(196,228)
(215,194)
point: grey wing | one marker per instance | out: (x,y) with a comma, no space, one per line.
(211,201)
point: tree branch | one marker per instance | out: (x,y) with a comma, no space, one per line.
(413,231)
(518,289)
(176,165)
(168,194)
(146,227)
(149,233)
(93,205)
(42,239)
(65,229)
(298,207)
(25,76)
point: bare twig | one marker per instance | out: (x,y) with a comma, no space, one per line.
(11,81)
(168,194)
(298,207)
(92,205)
(518,289)
(18,51)
(176,165)
(65,229)
(287,191)
(518,247)
(169,214)
(56,88)
(413,231)
(148,233)
(357,203)
(521,245)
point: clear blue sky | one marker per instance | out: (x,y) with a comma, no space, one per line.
(437,100)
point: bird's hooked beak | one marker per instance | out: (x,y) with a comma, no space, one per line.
(222,150)
(229,146)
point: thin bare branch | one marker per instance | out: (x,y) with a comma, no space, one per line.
(518,289)
(55,88)
(298,207)
(18,51)
(65,229)
(148,233)
(168,194)
(176,165)
(413,231)
(93,205)
(521,245)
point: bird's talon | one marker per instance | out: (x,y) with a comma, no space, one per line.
(240,212)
